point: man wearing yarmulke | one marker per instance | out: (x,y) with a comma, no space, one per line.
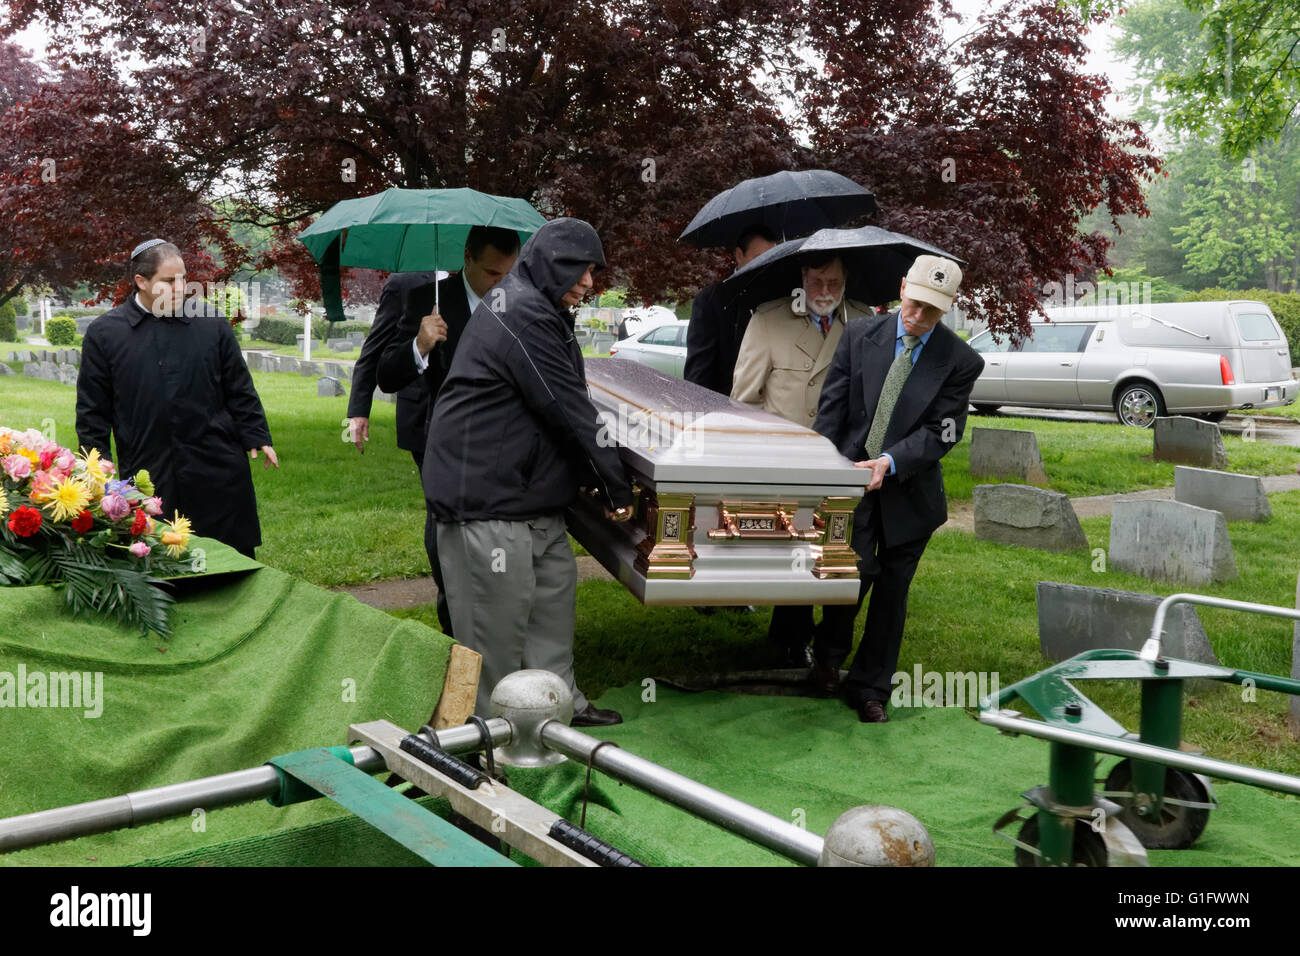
(894,401)
(164,375)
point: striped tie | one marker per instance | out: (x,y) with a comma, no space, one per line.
(889,393)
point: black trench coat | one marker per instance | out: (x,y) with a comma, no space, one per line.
(179,400)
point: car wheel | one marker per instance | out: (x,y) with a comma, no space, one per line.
(1139,404)
(985,409)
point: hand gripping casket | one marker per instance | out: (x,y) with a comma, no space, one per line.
(733,505)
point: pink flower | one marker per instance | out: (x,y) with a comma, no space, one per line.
(152,506)
(107,467)
(140,549)
(64,462)
(114,507)
(42,484)
(16,467)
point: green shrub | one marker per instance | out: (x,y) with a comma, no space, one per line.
(283,331)
(61,330)
(8,325)
(341,330)
(1285,306)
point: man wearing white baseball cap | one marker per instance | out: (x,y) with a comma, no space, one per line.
(894,401)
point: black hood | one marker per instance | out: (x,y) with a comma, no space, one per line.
(555,256)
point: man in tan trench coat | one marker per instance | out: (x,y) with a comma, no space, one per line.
(781,367)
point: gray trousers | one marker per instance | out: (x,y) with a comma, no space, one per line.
(513,587)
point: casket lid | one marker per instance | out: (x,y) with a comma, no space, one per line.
(669,429)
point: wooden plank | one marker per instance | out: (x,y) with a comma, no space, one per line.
(459,688)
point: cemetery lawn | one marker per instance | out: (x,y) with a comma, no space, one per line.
(334,517)
(319,352)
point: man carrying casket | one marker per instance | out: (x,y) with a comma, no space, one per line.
(895,402)
(512,438)
(781,368)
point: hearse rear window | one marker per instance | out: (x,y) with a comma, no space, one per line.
(1257,327)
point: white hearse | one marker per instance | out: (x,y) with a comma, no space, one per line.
(1142,361)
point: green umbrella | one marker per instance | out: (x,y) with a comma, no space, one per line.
(405,230)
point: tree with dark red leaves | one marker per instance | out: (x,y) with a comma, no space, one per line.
(629,113)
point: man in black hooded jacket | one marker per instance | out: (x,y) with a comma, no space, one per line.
(512,438)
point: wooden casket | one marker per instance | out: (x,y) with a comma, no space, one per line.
(733,505)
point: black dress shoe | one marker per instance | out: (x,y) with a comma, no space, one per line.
(593,716)
(872,712)
(824,680)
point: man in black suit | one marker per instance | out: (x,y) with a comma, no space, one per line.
(413,400)
(896,392)
(718,323)
(418,353)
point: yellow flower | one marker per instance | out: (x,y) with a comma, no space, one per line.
(30,455)
(93,468)
(177,539)
(68,499)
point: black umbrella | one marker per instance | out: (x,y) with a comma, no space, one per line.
(788,203)
(875,259)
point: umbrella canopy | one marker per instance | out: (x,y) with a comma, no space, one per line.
(875,259)
(789,203)
(406,230)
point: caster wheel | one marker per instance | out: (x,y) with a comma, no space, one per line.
(1178,827)
(1089,846)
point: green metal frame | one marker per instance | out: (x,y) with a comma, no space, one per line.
(307,774)
(1051,692)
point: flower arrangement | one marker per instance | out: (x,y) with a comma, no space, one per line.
(66,521)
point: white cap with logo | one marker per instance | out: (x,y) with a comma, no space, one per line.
(933,280)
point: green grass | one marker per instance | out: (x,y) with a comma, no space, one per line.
(1084,459)
(319,352)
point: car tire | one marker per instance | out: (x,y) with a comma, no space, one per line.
(1139,404)
(985,409)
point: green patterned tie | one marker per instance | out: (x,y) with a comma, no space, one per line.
(889,393)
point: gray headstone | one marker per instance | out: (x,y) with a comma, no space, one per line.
(357,339)
(49,371)
(299,338)
(328,387)
(74,356)
(1006,453)
(343,345)
(61,356)
(308,368)
(1027,516)
(24,323)
(1295,668)
(253,360)
(1189,441)
(1171,541)
(1239,497)
(31,370)
(381,396)
(287,363)
(22,355)
(1073,619)
(334,370)
(68,373)
(7,369)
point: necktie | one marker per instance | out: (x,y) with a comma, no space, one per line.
(825,322)
(889,393)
